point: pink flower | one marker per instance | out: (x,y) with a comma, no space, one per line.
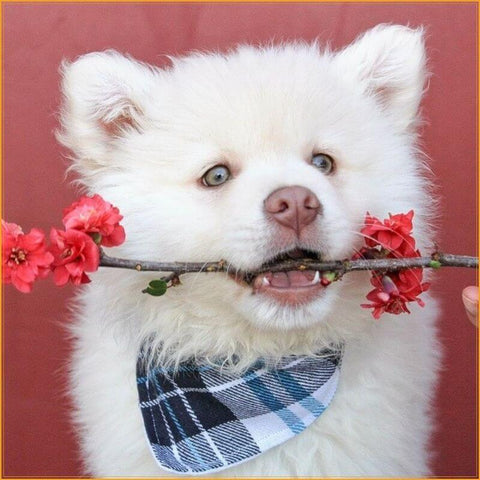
(393,234)
(74,254)
(392,239)
(383,302)
(24,257)
(11,229)
(393,291)
(409,283)
(95,216)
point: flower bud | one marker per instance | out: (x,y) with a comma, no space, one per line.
(389,286)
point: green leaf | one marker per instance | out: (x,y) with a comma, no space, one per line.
(156,288)
(435,264)
(158,284)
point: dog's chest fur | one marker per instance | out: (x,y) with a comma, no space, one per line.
(377,424)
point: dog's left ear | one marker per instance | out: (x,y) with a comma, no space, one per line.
(389,63)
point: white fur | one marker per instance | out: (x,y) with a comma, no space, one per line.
(143,137)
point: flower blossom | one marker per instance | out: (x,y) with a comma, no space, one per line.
(393,291)
(24,256)
(74,254)
(95,216)
(393,234)
(392,239)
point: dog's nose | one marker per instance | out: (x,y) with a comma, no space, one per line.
(293,207)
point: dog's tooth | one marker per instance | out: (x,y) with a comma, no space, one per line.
(316,278)
(265,281)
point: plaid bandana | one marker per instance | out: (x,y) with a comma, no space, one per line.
(202,420)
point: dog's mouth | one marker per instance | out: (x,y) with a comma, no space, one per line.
(290,287)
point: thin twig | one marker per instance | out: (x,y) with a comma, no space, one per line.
(339,266)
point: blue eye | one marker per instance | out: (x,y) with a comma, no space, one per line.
(216,176)
(323,162)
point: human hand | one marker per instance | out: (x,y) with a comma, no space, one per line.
(470,301)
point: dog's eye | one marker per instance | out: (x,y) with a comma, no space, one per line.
(323,162)
(217,175)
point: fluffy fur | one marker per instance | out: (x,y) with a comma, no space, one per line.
(143,137)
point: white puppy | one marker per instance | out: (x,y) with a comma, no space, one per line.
(246,156)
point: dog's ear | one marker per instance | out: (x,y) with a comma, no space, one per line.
(389,63)
(105,98)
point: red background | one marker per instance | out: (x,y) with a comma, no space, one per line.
(38,439)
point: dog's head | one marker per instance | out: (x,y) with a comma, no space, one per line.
(253,157)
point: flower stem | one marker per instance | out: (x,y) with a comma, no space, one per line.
(339,266)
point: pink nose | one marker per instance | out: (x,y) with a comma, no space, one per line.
(293,207)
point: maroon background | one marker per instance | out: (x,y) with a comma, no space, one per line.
(38,439)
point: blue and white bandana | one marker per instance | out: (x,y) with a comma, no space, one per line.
(201,419)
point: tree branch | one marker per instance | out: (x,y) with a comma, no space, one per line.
(340,267)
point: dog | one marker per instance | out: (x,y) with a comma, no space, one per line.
(252,156)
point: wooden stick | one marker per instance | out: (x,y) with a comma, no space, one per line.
(339,266)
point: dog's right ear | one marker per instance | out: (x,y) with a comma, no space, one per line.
(105,97)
